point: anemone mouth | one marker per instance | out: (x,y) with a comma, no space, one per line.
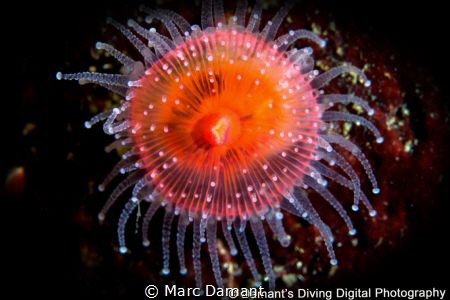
(225,104)
(217,129)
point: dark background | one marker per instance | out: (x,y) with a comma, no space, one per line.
(40,236)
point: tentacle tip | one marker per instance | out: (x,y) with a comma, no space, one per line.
(233,252)
(101,217)
(146,243)
(323,44)
(371,112)
(285,242)
(380,140)
(101,188)
(373,213)
(279,215)
(352,232)
(148,20)
(98,45)
(333,262)
(183,271)
(165,271)
(59,76)
(123,250)
(355,207)
(202,240)
(376,191)
(87,124)
(367,83)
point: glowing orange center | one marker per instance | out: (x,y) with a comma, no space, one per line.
(217,129)
(224,124)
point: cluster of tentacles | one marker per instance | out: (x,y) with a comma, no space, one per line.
(286,145)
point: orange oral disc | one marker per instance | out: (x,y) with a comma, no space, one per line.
(217,129)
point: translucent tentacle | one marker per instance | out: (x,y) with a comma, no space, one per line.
(153,38)
(240,11)
(124,185)
(260,236)
(271,28)
(138,187)
(346,99)
(229,238)
(255,17)
(147,54)
(290,208)
(349,146)
(110,79)
(243,225)
(348,117)
(207,14)
(123,219)
(302,58)
(284,41)
(119,127)
(108,125)
(203,223)
(243,243)
(113,173)
(151,210)
(119,56)
(333,175)
(274,220)
(219,15)
(313,217)
(335,158)
(183,222)
(119,90)
(196,247)
(369,207)
(212,247)
(299,210)
(166,227)
(328,196)
(181,22)
(167,21)
(97,118)
(332,73)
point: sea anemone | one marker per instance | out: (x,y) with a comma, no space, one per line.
(226,125)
